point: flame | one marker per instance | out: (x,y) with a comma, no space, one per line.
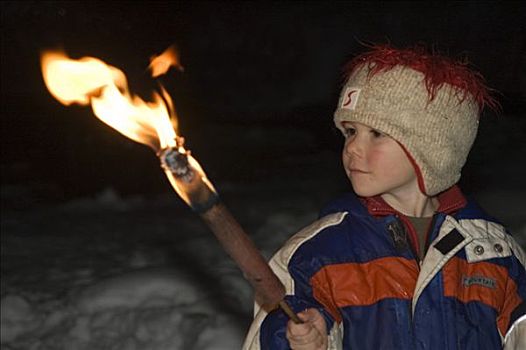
(159,65)
(90,81)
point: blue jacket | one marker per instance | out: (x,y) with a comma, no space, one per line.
(358,266)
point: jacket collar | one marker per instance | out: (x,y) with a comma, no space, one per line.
(449,201)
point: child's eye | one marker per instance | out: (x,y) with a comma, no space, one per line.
(377,133)
(349,131)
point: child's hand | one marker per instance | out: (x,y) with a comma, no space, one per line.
(311,335)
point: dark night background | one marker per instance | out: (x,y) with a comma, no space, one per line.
(257,75)
(97,251)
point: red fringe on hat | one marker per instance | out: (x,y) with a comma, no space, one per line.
(437,69)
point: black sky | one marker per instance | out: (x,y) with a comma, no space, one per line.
(269,64)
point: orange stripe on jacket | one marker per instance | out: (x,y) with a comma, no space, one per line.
(511,301)
(360,284)
(502,296)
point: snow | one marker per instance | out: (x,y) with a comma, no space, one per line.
(107,272)
(110,271)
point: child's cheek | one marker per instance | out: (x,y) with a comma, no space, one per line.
(375,157)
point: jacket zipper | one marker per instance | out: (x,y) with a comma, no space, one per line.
(398,232)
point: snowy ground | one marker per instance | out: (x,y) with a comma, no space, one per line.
(113,273)
(143,272)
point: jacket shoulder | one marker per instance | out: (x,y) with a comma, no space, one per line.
(487,232)
(346,203)
(280,260)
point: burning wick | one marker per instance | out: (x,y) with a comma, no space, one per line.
(187,177)
(177,163)
(89,81)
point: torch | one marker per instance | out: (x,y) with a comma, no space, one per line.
(90,81)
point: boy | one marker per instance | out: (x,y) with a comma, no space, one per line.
(408,262)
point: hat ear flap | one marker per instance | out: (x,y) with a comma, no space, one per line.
(418,171)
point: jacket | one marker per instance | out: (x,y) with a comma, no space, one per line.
(357,265)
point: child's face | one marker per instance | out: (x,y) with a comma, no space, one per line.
(376,164)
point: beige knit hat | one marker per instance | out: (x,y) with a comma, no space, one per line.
(437,133)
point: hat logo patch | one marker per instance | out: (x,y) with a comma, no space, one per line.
(350,98)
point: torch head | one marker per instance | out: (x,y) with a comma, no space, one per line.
(188,178)
(175,160)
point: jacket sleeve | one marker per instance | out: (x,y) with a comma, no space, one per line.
(512,317)
(268,329)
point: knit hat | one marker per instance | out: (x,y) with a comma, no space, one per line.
(435,125)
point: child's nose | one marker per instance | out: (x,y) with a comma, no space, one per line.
(353,147)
